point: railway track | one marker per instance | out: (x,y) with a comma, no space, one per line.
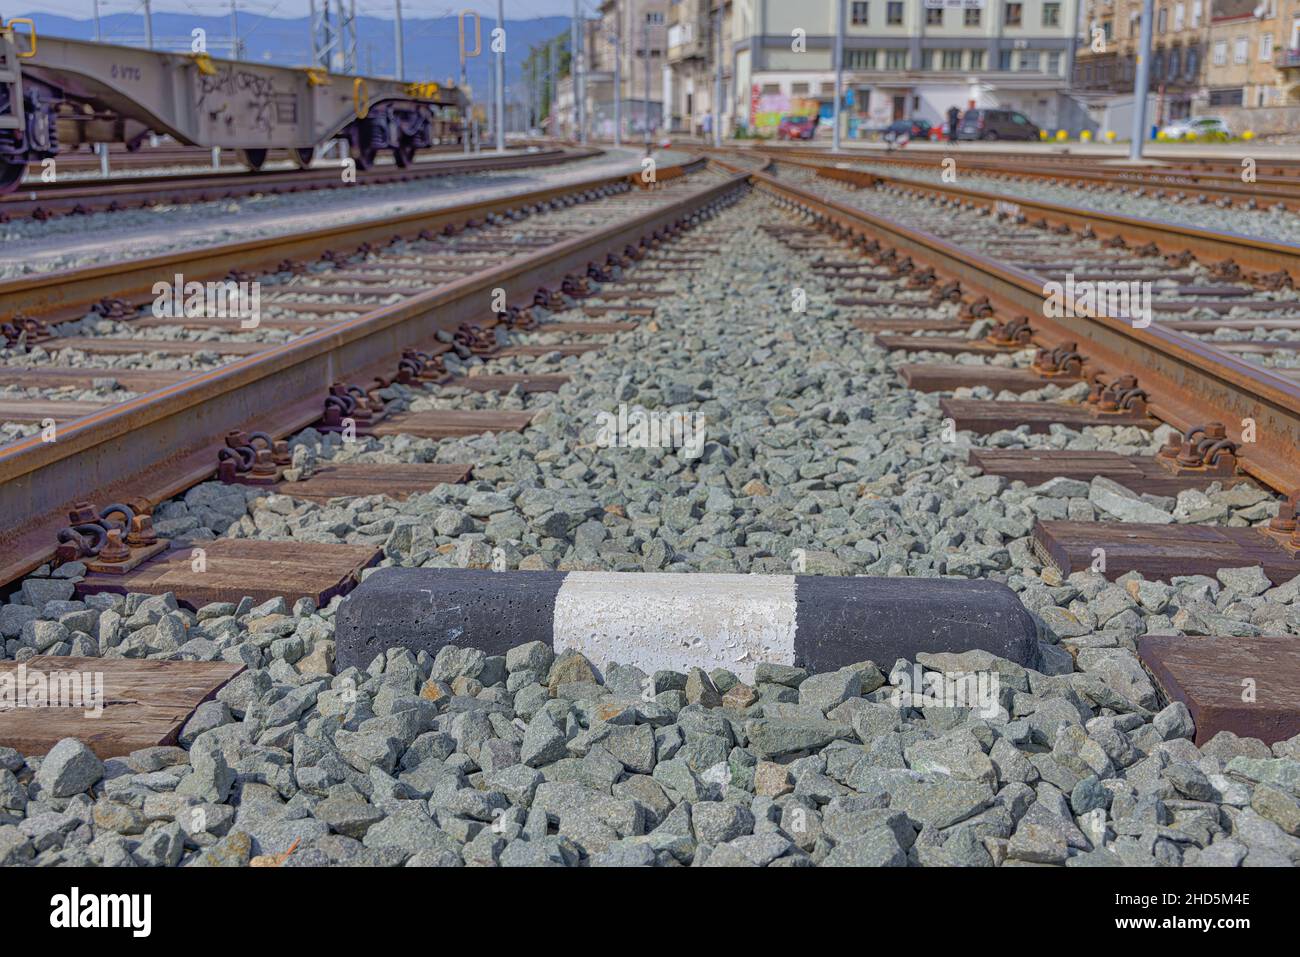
(71,197)
(342,326)
(1273,184)
(169,155)
(1011,252)
(779,323)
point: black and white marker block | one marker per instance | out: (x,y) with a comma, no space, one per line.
(670,621)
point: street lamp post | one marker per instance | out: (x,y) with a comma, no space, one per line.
(1141,83)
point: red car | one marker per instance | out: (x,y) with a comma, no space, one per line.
(796,128)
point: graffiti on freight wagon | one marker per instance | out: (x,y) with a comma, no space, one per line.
(246,94)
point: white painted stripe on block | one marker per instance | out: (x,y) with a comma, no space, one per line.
(658,620)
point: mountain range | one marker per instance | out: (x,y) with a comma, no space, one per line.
(430,46)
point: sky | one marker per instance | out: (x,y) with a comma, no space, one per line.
(515,9)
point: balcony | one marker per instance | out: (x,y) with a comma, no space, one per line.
(685,42)
(1288,59)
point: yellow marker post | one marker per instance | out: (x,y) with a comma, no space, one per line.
(360,98)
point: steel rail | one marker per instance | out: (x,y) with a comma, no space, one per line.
(156,445)
(1284,171)
(1206,245)
(1264,189)
(85,286)
(93,195)
(1189,381)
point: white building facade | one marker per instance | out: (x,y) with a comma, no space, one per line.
(903,59)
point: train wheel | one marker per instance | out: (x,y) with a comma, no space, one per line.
(10,175)
(302,158)
(404,154)
(364,156)
(253,159)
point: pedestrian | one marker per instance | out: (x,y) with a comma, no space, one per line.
(954,117)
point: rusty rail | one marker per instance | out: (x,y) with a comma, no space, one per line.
(1074,170)
(1189,381)
(1208,246)
(156,445)
(44,200)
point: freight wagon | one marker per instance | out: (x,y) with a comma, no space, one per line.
(58,94)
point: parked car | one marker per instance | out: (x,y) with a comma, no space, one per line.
(912,129)
(1197,128)
(796,128)
(996,125)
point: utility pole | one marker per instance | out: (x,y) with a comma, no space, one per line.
(618,76)
(717,78)
(552,60)
(148,24)
(98,33)
(839,71)
(573,72)
(645,64)
(501,78)
(397,40)
(234,32)
(1140,84)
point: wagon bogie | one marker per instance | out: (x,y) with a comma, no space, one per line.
(68,93)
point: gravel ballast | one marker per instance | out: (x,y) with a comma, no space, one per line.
(814,453)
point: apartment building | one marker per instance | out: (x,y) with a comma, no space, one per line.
(1107,59)
(903,58)
(1254,55)
(689,76)
(1238,59)
(635,32)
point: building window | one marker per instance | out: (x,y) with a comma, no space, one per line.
(1196,13)
(798,89)
(1161,17)
(927,59)
(1266,48)
(971,18)
(934,17)
(1051,14)
(895,59)
(1054,64)
(1220,52)
(894,13)
(977,59)
(1240,48)
(1013,12)
(828,89)
(1004,59)
(771,89)
(951,59)
(1179,16)
(859,13)
(1158,64)
(860,59)
(1175,63)
(1029,61)
(1226,97)
(1191,64)
(1133,24)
